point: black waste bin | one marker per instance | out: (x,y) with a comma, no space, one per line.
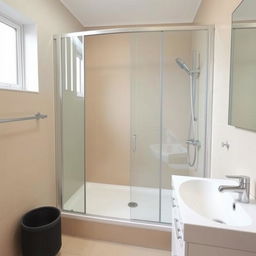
(41,232)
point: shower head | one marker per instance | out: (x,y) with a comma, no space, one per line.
(183,65)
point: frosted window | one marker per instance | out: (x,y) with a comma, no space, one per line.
(8,55)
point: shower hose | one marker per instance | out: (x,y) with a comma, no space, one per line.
(192,142)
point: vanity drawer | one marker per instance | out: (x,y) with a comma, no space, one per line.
(178,244)
(177,239)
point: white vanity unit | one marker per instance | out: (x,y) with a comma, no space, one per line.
(207,222)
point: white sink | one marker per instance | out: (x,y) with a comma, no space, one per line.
(202,196)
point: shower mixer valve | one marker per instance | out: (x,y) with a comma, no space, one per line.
(193,142)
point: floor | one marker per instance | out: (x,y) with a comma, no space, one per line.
(73,246)
(112,201)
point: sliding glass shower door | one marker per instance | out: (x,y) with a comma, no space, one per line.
(161,100)
(122,140)
(145,126)
(72,118)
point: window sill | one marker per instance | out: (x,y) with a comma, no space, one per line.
(17,90)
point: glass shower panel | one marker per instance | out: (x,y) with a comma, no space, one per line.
(72,66)
(200,49)
(138,120)
(108,84)
(145,126)
(182,92)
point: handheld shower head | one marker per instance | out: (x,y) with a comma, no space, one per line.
(183,65)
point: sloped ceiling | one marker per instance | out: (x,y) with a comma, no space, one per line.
(130,12)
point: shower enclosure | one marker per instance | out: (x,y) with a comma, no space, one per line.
(132,109)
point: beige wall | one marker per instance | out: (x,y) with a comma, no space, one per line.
(27,148)
(108,109)
(240,159)
(176,99)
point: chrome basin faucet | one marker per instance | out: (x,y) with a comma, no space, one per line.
(243,188)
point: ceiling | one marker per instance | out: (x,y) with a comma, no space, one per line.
(130,12)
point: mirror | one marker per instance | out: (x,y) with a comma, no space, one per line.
(242,104)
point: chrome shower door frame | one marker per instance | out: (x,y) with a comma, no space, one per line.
(58,113)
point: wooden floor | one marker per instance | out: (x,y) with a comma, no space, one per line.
(73,246)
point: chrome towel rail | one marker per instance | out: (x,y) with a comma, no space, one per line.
(37,116)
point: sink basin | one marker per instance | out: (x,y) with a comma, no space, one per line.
(203,197)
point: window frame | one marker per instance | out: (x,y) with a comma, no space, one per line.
(80,55)
(79,89)
(19,55)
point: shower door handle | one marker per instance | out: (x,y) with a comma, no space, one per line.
(134,142)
